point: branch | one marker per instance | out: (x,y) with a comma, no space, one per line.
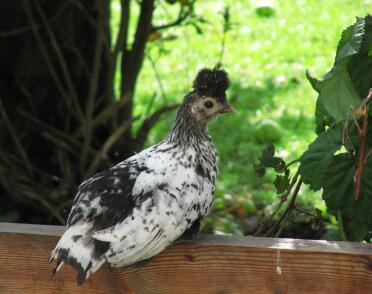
(19,185)
(363,139)
(102,154)
(283,199)
(182,16)
(26,29)
(44,203)
(122,38)
(120,46)
(151,121)
(90,104)
(47,58)
(287,211)
(15,138)
(105,114)
(61,60)
(60,138)
(158,78)
(132,60)
(14,159)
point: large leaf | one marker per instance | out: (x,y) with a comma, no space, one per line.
(339,184)
(360,70)
(318,156)
(351,40)
(338,193)
(347,83)
(337,93)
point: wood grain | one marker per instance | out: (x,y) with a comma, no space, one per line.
(213,264)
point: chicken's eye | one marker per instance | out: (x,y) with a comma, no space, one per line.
(208,104)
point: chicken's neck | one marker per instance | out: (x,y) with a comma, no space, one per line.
(187,131)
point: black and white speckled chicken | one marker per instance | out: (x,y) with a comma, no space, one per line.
(134,210)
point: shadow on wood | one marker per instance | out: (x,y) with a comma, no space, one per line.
(213,264)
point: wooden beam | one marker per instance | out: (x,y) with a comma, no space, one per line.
(212,264)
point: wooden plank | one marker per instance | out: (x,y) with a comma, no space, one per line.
(213,264)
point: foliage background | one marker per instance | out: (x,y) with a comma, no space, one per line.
(266,58)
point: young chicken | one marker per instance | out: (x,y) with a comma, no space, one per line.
(134,210)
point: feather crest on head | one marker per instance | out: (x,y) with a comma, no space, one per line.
(211,82)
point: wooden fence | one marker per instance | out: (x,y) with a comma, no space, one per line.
(213,264)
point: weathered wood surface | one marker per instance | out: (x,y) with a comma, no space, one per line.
(213,264)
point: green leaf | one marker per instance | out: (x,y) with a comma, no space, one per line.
(318,156)
(339,184)
(314,82)
(360,64)
(281,183)
(338,193)
(351,40)
(367,38)
(268,160)
(348,81)
(360,70)
(354,230)
(337,93)
(322,118)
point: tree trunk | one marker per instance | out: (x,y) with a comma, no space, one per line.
(130,67)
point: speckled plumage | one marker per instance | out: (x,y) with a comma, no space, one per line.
(137,208)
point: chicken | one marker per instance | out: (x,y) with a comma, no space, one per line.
(135,209)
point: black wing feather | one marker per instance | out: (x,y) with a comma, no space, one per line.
(113,187)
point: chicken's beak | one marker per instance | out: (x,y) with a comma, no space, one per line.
(227,108)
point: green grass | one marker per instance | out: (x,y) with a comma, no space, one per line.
(266,59)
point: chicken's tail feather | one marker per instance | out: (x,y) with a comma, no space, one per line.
(79,253)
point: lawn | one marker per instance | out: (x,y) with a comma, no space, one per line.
(266,58)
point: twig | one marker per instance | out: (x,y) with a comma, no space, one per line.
(15,138)
(102,154)
(84,12)
(182,16)
(22,187)
(151,121)
(120,46)
(288,210)
(149,106)
(65,167)
(226,28)
(304,211)
(61,60)
(158,78)
(27,94)
(283,199)
(93,87)
(292,162)
(37,170)
(27,29)
(362,150)
(47,59)
(52,133)
(106,114)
